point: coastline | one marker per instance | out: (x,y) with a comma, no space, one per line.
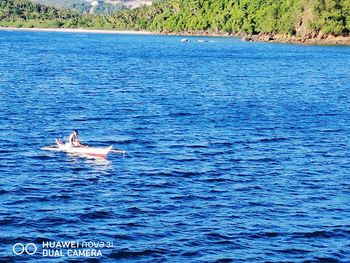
(76,30)
(310,39)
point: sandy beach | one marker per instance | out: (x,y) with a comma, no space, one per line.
(77,30)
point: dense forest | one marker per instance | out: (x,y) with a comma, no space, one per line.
(28,14)
(290,17)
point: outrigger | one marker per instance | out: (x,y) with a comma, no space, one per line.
(83,149)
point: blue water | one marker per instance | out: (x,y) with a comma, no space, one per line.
(236,152)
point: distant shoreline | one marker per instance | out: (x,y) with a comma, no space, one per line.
(272,38)
(76,30)
(263,37)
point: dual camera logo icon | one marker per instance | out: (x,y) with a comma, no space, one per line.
(20,249)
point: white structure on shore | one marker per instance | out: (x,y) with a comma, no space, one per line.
(93,5)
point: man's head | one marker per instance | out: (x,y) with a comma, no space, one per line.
(76,132)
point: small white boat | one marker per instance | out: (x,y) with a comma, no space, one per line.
(84,150)
(93,151)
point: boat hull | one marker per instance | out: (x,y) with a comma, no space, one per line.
(92,151)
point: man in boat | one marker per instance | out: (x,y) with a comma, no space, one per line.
(73,139)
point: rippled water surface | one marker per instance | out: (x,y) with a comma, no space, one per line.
(235,151)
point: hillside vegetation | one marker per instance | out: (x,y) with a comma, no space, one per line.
(288,17)
(250,16)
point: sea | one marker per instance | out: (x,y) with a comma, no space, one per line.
(235,151)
